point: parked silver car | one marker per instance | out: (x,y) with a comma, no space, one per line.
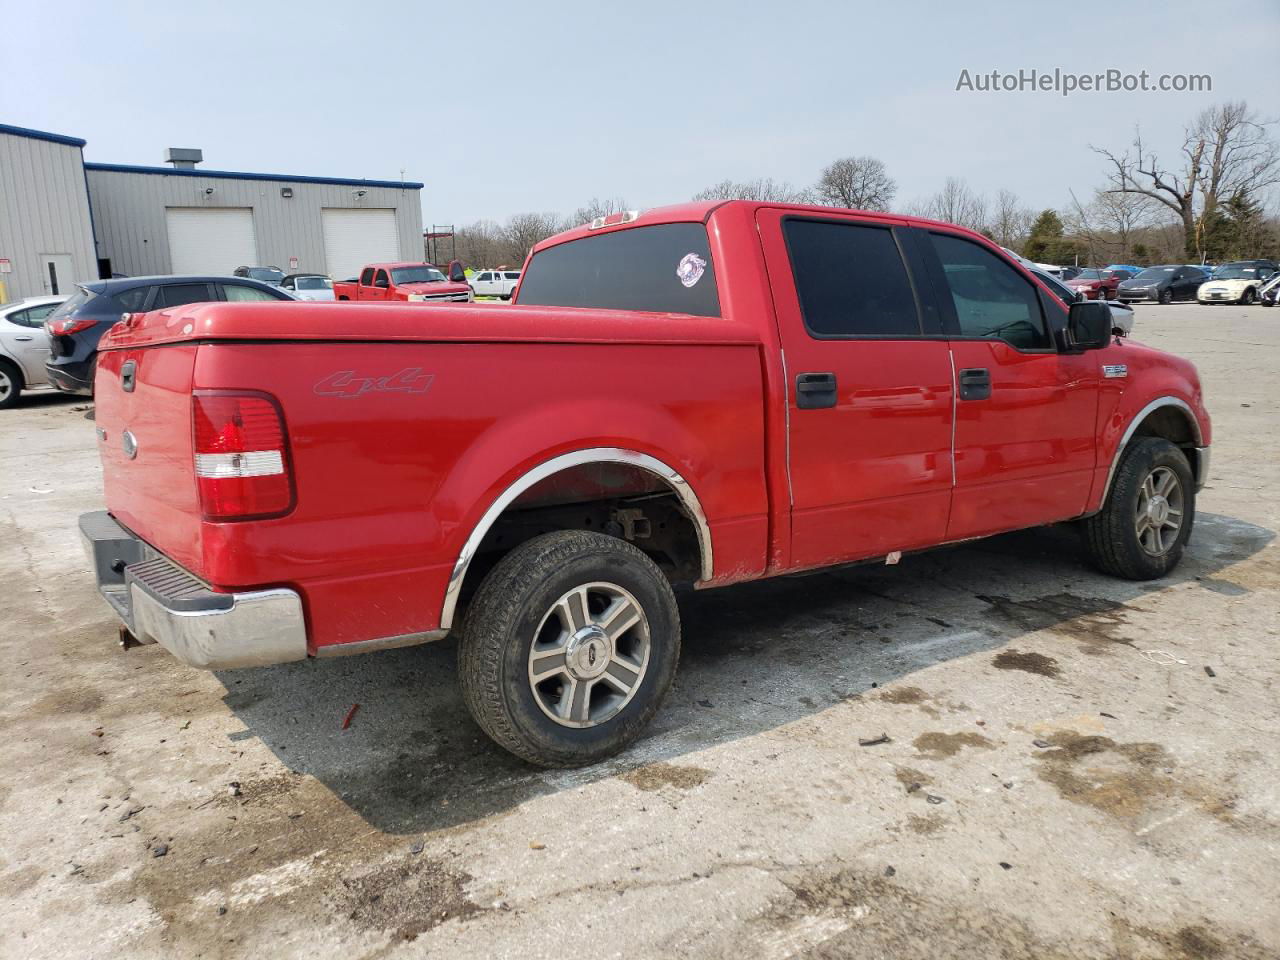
(24,345)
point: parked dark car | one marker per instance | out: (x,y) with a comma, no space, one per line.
(76,327)
(1163,284)
(271,275)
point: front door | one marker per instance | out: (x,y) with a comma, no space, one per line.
(869,388)
(56,274)
(1025,432)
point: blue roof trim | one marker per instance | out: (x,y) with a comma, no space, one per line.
(233,175)
(41,135)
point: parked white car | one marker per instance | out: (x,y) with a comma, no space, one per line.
(494,283)
(1235,283)
(24,345)
(308,286)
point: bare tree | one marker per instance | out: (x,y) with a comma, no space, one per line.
(1010,221)
(524,230)
(858,183)
(957,203)
(481,244)
(598,208)
(765,190)
(1111,223)
(1227,150)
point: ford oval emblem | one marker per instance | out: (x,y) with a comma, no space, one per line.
(130,444)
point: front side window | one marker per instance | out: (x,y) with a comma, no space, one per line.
(239,294)
(666,268)
(178,294)
(992,300)
(851,280)
(380,279)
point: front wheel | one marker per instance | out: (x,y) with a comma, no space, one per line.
(10,384)
(570,646)
(1143,528)
(1166,297)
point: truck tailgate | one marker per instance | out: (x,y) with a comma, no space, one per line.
(143,416)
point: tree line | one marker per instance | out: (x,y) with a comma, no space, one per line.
(1207,202)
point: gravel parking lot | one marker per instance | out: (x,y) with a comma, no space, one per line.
(1074,766)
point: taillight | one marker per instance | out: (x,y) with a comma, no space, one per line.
(241,459)
(69,325)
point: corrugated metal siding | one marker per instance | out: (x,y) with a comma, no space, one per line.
(44,208)
(129,213)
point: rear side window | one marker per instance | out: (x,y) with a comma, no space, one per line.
(992,300)
(851,280)
(79,299)
(131,300)
(662,269)
(237,293)
(366,277)
(177,294)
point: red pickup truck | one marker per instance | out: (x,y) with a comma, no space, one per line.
(698,395)
(414,282)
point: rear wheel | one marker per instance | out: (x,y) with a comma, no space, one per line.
(10,384)
(570,646)
(1248,296)
(1142,529)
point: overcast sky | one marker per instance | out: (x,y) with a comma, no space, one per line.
(507,107)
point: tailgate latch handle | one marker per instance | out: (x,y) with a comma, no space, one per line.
(127,378)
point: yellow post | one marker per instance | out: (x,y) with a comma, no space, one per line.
(4,293)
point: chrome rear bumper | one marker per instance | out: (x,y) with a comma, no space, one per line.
(159,602)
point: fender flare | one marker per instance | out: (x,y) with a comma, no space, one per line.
(679,485)
(1137,421)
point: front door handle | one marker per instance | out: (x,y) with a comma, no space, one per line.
(22,339)
(815,391)
(975,383)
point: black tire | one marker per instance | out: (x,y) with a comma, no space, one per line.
(1166,297)
(1247,298)
(11,384)
(504,619)
(1111,536)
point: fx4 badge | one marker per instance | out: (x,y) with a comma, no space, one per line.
(1111,371)
(346,384)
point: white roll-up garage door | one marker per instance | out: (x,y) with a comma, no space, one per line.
(353,238)
(210,239)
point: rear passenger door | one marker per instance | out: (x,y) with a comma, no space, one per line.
(1025,429)
(869,387)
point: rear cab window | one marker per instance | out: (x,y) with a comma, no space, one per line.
(665,268)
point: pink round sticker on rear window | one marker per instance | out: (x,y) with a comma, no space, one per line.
(690,269)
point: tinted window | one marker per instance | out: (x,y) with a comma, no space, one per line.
(131,300)
(664,269)
(851,280)
(236,293)
(380,279)
(512,276)
(366,277)
(177,294)
(265,274)
(991,298)
(315,283)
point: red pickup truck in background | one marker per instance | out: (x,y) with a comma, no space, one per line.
(698,395)
(415,282)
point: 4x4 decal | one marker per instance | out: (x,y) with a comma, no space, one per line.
(345,383)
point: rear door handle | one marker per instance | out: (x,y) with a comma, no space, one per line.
(23,339)
(815,391)
(975,383)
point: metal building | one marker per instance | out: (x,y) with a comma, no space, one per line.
(63,220)
(180,219)
(46,234)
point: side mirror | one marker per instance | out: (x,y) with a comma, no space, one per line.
(381,283)
(456,273)
(1088,325)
